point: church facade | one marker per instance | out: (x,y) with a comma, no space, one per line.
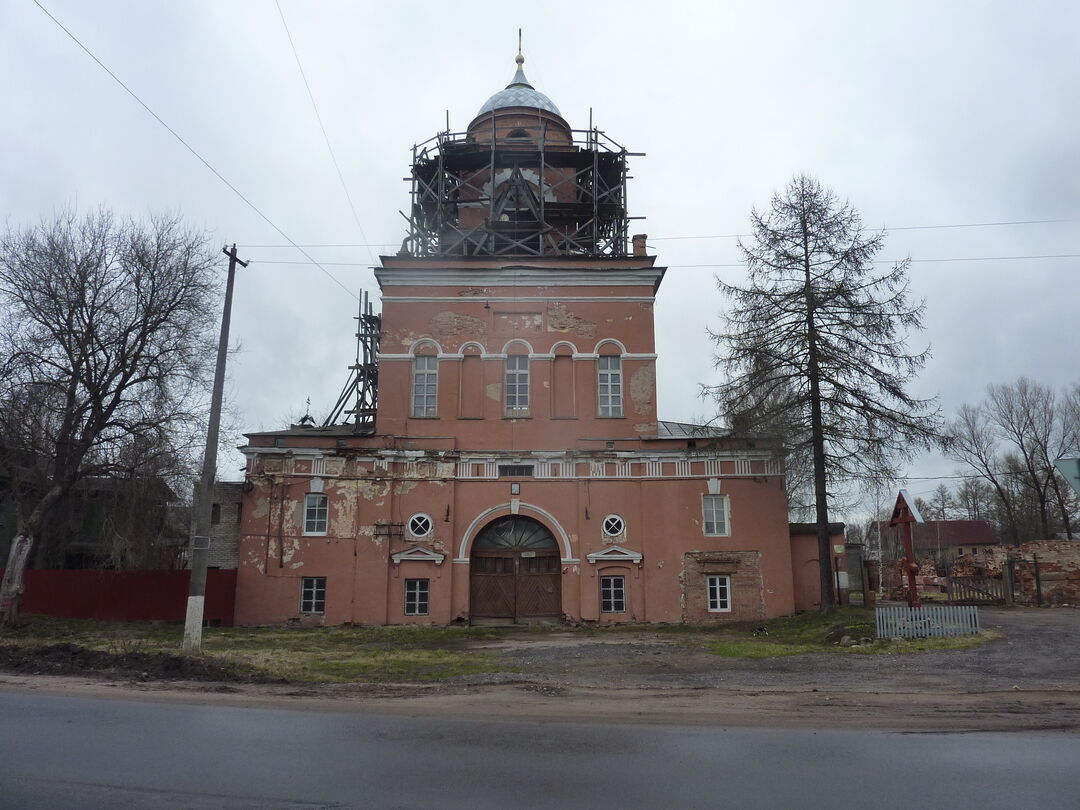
(512,466)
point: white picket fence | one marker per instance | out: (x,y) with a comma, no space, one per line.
(929,621)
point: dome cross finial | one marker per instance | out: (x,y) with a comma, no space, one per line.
(519,79)
(520,59)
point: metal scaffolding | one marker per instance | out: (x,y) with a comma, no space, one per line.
(512,194)
(361,389)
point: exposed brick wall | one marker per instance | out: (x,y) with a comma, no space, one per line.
(1059,570)
(744,568)
(225,533)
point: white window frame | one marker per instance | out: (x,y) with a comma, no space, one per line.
(316,513)
(421,516)
(712,593)
(417,597)
(709,504)
(425,374)
(517,381)
(613,592)
(313,595)
(609,386)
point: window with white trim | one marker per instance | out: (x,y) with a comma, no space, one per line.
(313,594)
(517,382)
(714,515)
(425,386)
(420,525)
(315,513)
(719,592)
(416,597)
(609,384)
(613,594)
(614,526)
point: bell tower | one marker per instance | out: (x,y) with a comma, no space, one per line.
(516,316)
(518,182)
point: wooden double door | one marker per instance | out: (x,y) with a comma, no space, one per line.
(515,572)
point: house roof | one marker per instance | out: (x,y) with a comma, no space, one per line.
(932,534)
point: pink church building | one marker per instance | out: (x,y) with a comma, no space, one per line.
(498,456)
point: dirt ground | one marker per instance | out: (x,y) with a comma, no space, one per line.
(1027,679)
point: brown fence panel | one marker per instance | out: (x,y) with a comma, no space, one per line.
(126,595)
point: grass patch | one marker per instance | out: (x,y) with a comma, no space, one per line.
(339,654)
(820,632)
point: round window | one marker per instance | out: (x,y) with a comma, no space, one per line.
(614,526)
(420,525)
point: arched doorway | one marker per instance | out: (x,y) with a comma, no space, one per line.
(515,572)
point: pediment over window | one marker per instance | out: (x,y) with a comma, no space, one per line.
(418,553)
(614,554)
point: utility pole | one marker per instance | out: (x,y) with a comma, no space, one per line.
(200,540)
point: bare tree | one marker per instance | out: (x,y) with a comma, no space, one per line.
(816,342)
(107,341)
(1012,440)
(975,499)
(941,503)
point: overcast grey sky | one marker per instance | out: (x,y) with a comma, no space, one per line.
(920,113)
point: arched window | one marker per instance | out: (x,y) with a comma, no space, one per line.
(425,383)
(517,380)
(609,381)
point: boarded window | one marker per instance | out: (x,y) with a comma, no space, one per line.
(471,396)
(562,383)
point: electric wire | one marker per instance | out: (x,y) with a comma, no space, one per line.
(193,151)
(322,128)
(747,235)
(743,264)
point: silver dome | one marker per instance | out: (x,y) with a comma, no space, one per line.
(519,93)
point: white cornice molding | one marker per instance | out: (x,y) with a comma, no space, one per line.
(517,277)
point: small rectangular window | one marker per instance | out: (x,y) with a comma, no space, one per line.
(416,597)
(714,515)
(613,594)
(517,382)
(315,512)
(425,386)
(215,513)
(313,594)
(609,385)
(515,470)
(719,586)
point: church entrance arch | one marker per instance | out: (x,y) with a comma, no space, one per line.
(515,571)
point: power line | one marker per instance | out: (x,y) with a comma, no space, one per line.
(894,228)
(743,264)
(191,149)
(322,127)
(745,235)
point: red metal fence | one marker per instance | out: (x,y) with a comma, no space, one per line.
(126,595)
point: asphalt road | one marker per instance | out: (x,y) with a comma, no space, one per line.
(72,752)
